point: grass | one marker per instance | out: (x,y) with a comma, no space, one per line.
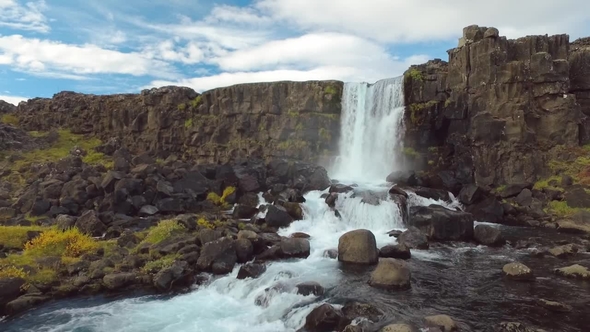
(416,109)
(15,237)
(414,75)
(548,183)
(60,149)
(197,101)
(562,209)
(330,90)
(221,200)
(181,107)
(188,123)
(159,264)
(68,245)
(410,152)
(163,230)
(9,119)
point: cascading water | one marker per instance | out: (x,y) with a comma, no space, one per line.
(370,136)
(371,131)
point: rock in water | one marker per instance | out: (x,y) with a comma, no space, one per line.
(390,274)
(395,251)
(310,287)
(442,224)
(325,318)
(398,328)
(446,323)
(518,271)
(554,306)
(358,247)
(413,238)
(488,235)
(251,270)
(574,271)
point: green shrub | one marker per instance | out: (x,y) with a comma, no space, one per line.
(10,119)
(162,231)
(16,236)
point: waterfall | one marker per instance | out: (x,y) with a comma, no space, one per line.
(371,130)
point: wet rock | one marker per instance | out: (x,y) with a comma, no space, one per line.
(244,250)
(395,233)
(207,235)
(391,274)
(488,235)
(148,210)
(310,287)
(574,271)
(25,302)
(294,210)
(554,306)
(10,289)
(300,235)
(294,248)
(518,271)
(251,270)
(564,251)
(470,194)
(7,213)
(331,200)
(397,191)
(325,318)
(258,245)
(488,210)
(331,253)
(514,189)
(352,328)
(413,238)
(441,224)
(115,281)
(446,323)
(89,223)
(242,211)
(171,276)
(218,256)
(358,247)
(513,327)
(354,309)
(277,216)
(405,178)
(398,328)
(395,251)
(340,188)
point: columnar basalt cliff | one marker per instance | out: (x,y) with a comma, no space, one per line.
(298,120)
(499,111)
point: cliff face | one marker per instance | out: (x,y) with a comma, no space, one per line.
(499,110)
(299,120)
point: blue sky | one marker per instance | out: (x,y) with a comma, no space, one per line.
(120,46)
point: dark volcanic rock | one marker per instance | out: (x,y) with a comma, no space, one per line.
(488,235)
(395,251)
(277,216)
(442,224)
(325,318)
(90,223)
(251,270)
(413,238)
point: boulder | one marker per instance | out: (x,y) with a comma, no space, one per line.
(218,256)
(518,271)
(277,216)
(446,323)
(10,289)
(251,270)
(116,281)
(242,211)
(413,238)
(574,271)
(309,288)
(89,223)
(354,309)
(442,224)
(294,248)
(470,194)
(563,251)
(171,276)
(400,251)
(488,235)
(325,318)
(358,247)
(554,306)
(398,328)
(404,178)
(244,250)
(294,209)
(391,274)
(340,188)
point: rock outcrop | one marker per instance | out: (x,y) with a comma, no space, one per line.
(298,120)
(499,110)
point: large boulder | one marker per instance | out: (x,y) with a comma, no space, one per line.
(218,256)
(89,223)
(277,216)
(518,271)
(358,247)
(442,224)
(391,274)
(325,318)
(488,235)
(413,238)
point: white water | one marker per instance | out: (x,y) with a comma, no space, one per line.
(371,130)
(370,136)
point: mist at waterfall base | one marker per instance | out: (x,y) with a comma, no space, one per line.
(458,279)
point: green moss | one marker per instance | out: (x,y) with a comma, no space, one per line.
(299,126)
(330,116)
(292,113)
(410,152)
(38,134)
(161,263)
(325,134)
(182,107)
(414,75)
(15,237)
(433,148)
(431,162)
(417,109)
(447,103)
(162,231)
(330,90)
(562,209)
(292,145)
(197,101)
(98,158)
(10,119)
(547,183)
(188,123)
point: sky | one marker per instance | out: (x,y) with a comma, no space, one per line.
(124,46)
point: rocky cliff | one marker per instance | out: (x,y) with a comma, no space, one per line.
(298,120)
(500,110)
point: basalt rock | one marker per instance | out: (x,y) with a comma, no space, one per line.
(467,115)
(442,224)
(299,120)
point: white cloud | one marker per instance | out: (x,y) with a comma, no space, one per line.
(13,99)
(24,17)
(167,50)
(427,20)
(368,72)
(41,56)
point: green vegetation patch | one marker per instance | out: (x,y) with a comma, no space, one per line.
(162,231)
(10,119)
(414,74)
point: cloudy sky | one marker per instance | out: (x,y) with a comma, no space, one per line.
(109,46)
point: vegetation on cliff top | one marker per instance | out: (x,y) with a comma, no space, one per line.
(414,74)
(10,119)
